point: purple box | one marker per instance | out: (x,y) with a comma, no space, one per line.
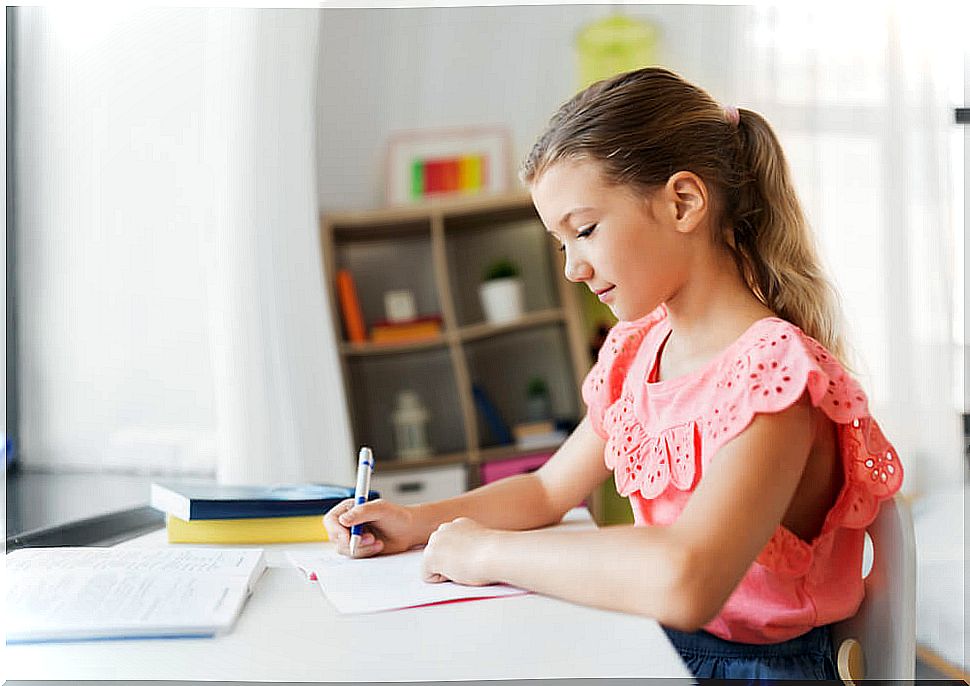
(493,471)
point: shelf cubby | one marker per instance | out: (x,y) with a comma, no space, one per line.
(439,251)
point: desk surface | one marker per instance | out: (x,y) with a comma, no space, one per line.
(288,631)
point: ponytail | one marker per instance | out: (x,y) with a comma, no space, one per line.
(772,242)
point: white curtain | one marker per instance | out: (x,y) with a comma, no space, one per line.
(863,100)
(281,411)
(173,316)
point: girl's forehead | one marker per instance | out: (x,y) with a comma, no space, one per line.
(570,182)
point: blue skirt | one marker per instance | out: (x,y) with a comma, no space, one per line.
(809,656)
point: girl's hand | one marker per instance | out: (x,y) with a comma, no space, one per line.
(389,529)
(457,551)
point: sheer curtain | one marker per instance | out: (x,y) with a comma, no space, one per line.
(281,412)
(862,99)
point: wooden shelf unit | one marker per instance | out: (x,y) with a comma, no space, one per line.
(438,250)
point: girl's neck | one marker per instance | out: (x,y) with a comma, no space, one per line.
(711,309)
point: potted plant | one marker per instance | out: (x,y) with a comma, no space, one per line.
(537,400)
(501,292)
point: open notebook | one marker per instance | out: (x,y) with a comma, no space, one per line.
(390,582)
(394,582)
(70,594)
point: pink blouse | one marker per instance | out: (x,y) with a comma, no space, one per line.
(662,435)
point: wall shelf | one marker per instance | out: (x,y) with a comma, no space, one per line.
(391,348)
(532,319)
(438,250)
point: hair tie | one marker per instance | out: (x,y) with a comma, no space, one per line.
(732,115)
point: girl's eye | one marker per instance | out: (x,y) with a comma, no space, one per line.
(582,233)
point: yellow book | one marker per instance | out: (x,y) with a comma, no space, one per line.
(241,531)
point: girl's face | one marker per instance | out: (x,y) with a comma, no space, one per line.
(626,248)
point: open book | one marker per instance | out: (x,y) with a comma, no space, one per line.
(69,594)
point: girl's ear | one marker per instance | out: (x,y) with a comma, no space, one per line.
(686,196)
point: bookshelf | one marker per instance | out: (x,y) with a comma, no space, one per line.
(438,251)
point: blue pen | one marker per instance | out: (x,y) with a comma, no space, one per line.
(365,465)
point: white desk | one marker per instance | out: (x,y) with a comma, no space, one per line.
(288,631)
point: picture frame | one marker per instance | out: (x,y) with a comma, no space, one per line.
(441,163)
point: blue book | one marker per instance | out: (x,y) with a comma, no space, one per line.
(497,426)
(195,499)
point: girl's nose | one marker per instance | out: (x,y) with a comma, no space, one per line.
(577,269)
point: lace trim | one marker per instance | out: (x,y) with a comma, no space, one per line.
(872,474)
(613,362)
(769,376)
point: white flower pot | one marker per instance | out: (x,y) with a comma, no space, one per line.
(501,299)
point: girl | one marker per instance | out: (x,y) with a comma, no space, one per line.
(719,401)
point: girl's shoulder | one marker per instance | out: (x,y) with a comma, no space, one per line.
(668,432)
(774,363)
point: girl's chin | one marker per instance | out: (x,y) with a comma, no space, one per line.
(627,314)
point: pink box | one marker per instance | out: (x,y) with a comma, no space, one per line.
(493,471)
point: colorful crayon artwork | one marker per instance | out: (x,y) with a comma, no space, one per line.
(467,174)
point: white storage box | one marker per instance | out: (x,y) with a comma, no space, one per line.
(420,485)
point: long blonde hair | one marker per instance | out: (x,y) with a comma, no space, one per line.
(644,125)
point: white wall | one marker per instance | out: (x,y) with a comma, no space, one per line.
(387,70)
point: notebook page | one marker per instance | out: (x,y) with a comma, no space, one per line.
(390,582)
(191,560)
(67,604)
(248,563)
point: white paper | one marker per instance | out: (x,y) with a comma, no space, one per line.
(385,582)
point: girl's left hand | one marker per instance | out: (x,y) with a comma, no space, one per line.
(457,551)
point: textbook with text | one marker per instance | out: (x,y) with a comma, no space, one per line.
(76,594)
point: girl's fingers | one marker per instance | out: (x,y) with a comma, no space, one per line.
(360,514)
(368,549)
(331,520)
(340,508)
(369,544)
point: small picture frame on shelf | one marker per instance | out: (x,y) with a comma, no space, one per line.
(438,163)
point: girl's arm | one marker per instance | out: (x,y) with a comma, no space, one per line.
(527,501)
(680,574)
(520,502)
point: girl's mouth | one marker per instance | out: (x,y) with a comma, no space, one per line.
(605,293)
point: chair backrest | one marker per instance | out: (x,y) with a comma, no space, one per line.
(885,624)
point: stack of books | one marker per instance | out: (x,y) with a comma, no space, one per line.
(544,434)
(208,512)
(414,330)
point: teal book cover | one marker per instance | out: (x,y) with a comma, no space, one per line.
(198,499)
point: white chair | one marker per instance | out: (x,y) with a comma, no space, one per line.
(879,642)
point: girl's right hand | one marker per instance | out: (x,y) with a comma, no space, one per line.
(389,529)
